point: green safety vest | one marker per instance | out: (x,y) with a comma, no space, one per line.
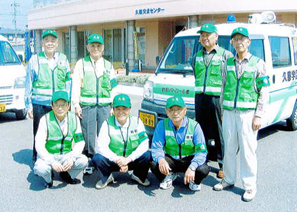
(134,138)
(241,93)
(96,91)
(187,148)
(49,81)
(208,80)
(56,143)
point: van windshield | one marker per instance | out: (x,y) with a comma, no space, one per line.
(8,55)
(180,55)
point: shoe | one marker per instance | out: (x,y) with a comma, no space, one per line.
(249,195)
(101,185)
(222,185)
(194,187)
(220,174)
(137,179)
(168,181)
(88,170)
(50,184)
(66,177)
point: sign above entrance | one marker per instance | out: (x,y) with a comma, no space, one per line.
(149,11)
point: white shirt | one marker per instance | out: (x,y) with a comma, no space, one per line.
(41,138)
(78,78)
(103,141)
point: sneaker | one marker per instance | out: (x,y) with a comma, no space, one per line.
(222,185)
(249,195)
(194,187)
(101,185)
(66,177)
(168,181)
(137,179)
(48,185)
(88,170)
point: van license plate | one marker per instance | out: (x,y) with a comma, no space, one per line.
(2,107)
(148,119)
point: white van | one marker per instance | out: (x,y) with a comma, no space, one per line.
(12,81)
(276,44)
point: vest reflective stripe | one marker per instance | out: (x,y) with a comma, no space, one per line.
(209,79)
(186,148)
(55,143)
(96,90)
(49,81)
(240,93)
(134,138)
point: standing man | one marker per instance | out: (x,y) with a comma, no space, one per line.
(178,145)
(122,145)
(47,72)
(92,92)
(59,143)
(245,95)
(208,84)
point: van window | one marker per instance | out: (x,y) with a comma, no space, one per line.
(294,41)
(280,51)
(8,55)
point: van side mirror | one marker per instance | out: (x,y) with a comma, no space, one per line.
(157,60)
(20,57)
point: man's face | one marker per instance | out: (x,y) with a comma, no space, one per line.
(95,50)
(240,43)
(176,113)
(60,108)
(208,40)
(49,43)
(121,114)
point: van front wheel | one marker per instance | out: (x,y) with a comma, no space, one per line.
(21,114)
(292,121)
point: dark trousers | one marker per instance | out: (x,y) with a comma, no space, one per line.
(208,114)
(105,167)
(38,112)
(180,166)
(93,117)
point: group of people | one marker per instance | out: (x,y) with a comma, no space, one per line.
(101,133)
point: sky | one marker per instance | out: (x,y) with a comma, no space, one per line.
(7,11)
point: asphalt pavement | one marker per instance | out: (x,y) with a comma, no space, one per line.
(21,190)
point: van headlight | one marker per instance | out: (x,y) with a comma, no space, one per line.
(148,90)
(20,82)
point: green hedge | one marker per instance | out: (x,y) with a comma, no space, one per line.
(132,79)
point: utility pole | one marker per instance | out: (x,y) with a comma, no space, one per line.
(15,5)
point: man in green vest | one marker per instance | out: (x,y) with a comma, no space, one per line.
(244,100)
(92,93)
(209,65)
(122,145)
(178,145)
(47,72)
(59,143)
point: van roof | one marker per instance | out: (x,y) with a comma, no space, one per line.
(258,29)
(2,38)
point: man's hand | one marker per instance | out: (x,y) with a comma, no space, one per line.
(78,111)
(67,164)
(189,176)
(57,166)
(123,161)
(123,169)
(164,167)
(256,123)
(30,113)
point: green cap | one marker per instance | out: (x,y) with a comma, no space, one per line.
(49,32)
(60,95)
(95,38)
(240,30)
(209,28)
(175,101)
(122,100)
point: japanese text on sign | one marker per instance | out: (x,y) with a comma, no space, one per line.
(289,76)
(149,11)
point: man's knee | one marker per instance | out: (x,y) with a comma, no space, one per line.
(41,168)
(98,159)
(203,169)
(81,162)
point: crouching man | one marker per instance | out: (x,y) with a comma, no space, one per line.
(122,145)
(179,146)
(59,143)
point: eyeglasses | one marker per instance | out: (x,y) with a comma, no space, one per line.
(176,110)
(60,105)
(241,39)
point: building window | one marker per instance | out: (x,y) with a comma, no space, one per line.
(66,44)
(141,44)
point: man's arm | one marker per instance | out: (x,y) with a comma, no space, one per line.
(201,152)
(158,142)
